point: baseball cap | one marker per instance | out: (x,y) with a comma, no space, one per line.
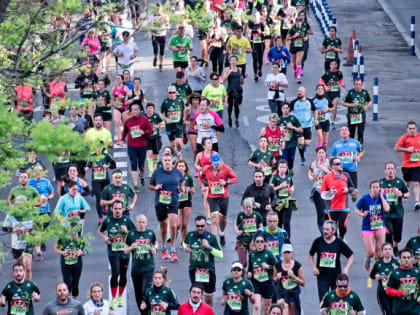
(215,158)
(287,248)
(237,264)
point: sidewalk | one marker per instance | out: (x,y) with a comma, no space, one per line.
(400,13)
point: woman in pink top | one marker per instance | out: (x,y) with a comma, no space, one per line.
(119,95)
(93,42)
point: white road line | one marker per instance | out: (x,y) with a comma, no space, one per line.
(124,173)
(122,164)
(246,121)
(120,154)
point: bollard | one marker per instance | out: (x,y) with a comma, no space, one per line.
(355,69)
(412,36)
(362,68)
(375,98)
(334,21)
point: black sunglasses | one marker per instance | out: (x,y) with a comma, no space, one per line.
(200,225)
(236,269)
(172,92)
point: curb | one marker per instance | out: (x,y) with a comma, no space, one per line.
(398,25)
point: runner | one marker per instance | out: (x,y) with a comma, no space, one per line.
(86,82)
(216,177)
(167,182)
(25,97)
(234,75)
(138,96)
(332,80)
(96,303)
(303,109)
(217,39)
(57,92)
(395,190)
(275,81)
(203,246)
(381,271)
(349,151)
(323,121)
(414,244)
(316,173)
(119,95)
(159,299)
(237,46)
(329,248)
(371,208)
(126,52)
(284,188)
(261,193)
(403,286)
(195,305)
(172,112)
(183,89)
(339,184)
(63,304)
(236,291)
(195,76)
(246,224)
(137,128)
(262,158)
(77,123)
(118,191)
(103,105)
(409,144)
(143,245)
(180,45)
(273,133)
(208,124)
(19,293)
(71,248)
(279,54)
(159,22)
(342,300)
(297,36)
(255,33)
(289,127)
(357,100)
(288,278)
(193,103)
(117,227)
(215,92)
(305,25)
(260,272)
(154,141)
(127,81)
(331,47)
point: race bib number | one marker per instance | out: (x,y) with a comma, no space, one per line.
(135,132)
(118,104)
(18,307)
(355,118)
(273,247)
(143,246)
(217,189)
(250,225)
(234,301)
(23,104)
(287,134)
(63,157)
(318,180)
(408,283)
(298,43)
(174,116)
(236,51)
(260,274)
(74,216)
(71,258)
(346,157)
(334,86)
(338,308)
(165,197)
(415,156)
(181,51)
(321,116)
(274,147)
(327,260)
(87,91)
(214,105)
(384,280)
(257,38)
(267,170)
(117,244)
(376,222)
(288,283)
(273,87)
(183,197)
(202,275)
(330,55)
(157,310)
(99,173)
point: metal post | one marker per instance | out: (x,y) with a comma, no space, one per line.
(412,36)
(375,98)
(362,68)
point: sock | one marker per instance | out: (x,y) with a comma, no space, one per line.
(299,71)
(155,161)
(222,233)
(302,153)
(114,292)
(120,290)
(173,249)
(150,164)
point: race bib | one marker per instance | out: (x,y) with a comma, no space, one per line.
(257,38)
(408,283)
(74,216)
(250,225)
(260,274)
(327,260)
(99,173)
(135,132)
(174,115)
(183,197)
(273,147)
(202,275)
(415,156)
(287,135)
(71,258)
(338,308)
(217,189)
(288,283)
(234,301)
(318,180)
(157,310)
(18,307)
(273,247)
(376,222)
(87,91)
(23,104)
(330,55)
(346,157)
(214,105)
(165,197)
(267,170)
(384,279)
(355,118)
(63,157)
(118,104)
(236,51)
(273,87)
(143,246)
(298,43)
(117,244)
(334,86)
(182,51)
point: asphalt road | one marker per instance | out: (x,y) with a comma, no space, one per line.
(236,144)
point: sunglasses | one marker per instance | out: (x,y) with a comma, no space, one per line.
(236,269)
(343,286)
(171,92)
(337,164)
(200,225)
(214,78)
(259,241)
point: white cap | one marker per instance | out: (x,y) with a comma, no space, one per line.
(287,248)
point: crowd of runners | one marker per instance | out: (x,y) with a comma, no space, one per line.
(265,274)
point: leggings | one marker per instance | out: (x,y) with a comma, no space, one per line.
(394,226)
(217,57)
(119,268)
(341,217)
(320,208)
(289,156)
(141,281)
(384,302)
(71,277)
(158,43)
(137,157)
(285,216)
(305,52)
(97,188)
(360,130)
(233,102)
(257,56)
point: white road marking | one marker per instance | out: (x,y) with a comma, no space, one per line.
(120,154)
(121,164)
(246,121)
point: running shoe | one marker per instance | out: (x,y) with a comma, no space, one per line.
(174,257)
(160,68)
(136,189)
(333,125)
(256,78)
(230,121)
(165,255)
(367,264)
(120,301)
(260,73)
(299,81)
(222,240)
(119,142)
(154,62)
(237,123)
(302,162)
(142,181)
(112,304)
(417,206)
